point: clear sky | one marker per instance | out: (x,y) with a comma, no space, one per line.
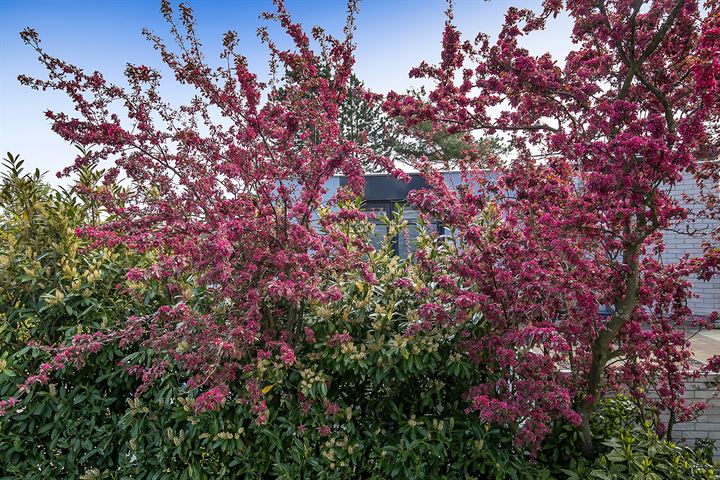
(392,37)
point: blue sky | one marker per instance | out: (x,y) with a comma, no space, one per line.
(392,37)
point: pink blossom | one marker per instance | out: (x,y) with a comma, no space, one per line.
(211,399)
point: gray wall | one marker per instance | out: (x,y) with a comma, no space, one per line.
(679,243)
(707,425)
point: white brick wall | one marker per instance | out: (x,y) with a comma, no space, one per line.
(680,243)
(706,425)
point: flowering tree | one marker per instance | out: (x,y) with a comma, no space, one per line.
(226,187)
(226,195)
(573,223)
(707,67)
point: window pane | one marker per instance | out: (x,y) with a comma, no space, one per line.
(407,243)
(381,229)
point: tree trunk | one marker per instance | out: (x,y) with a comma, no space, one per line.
(601,347)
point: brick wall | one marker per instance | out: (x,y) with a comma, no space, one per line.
(680,242)
(706,425)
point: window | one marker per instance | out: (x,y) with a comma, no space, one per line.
(383,195)
(380,209)
(405,243)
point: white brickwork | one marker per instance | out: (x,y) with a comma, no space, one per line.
(706,425)
(680,243)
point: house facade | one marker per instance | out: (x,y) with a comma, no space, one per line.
(384,194)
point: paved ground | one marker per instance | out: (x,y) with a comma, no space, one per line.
(705,344)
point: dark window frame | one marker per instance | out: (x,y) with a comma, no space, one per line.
(384,192)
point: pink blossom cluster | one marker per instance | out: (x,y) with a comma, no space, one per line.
(211,399)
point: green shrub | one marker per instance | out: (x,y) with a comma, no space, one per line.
(365,399)
(371,393)
(371,399)
(629,448)
(53,287)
